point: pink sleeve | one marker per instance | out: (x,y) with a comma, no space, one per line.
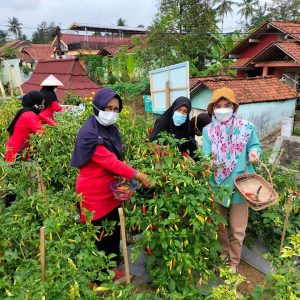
(46,120)
(110,162)
(55,106)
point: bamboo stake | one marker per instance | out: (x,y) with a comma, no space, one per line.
(43,253)
(41,187)
(168,96)
(124,244)
(287,214)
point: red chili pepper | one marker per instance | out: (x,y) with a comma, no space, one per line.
(209,220)
(144,209)
(249,194)
(148,250)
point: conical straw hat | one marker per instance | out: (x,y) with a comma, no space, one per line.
(51,81)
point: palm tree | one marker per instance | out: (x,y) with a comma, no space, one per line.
(14,26)
(224,7)
(247,8)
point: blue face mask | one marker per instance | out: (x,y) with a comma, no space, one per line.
(178,118)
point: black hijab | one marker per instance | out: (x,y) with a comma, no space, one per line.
(50,95)
(30,102)
(199,122)
(92,133)
(165,123)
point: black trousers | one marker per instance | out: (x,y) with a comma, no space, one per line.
(110,243)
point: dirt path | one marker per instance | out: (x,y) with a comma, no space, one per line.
(253,278)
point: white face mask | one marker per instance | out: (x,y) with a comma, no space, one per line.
(106,118)
(223,114)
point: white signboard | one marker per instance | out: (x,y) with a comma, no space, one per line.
(287,127)
(167,84)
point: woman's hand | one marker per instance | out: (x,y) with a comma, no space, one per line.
(143,178)
(253,156)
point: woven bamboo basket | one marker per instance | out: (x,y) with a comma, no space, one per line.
(258,192)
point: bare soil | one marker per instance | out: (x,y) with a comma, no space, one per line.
(253,278)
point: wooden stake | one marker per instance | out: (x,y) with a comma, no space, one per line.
(41,187)
(287,214)
(124,244)
(43,253)
(168,96)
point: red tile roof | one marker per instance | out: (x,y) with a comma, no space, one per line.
(68,71)
(291,28)
(195,81)
(36,52)
(257,89)
(24,56)
(290,48)
(240,63)
(277,51)
(17,44)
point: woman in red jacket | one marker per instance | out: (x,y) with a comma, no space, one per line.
(25,123)
(49,86)
(98,155)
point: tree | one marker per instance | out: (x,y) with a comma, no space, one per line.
(181,31)
(121,22)
(3,36)
(44,33)
(284,10)
(15,27)
(247,8)
(224,7)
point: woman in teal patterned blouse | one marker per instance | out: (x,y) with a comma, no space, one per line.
(233,143)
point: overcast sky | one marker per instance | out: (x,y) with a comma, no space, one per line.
(64,12)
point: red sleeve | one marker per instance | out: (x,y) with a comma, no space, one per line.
(55,106)
(33,123)
(110,162)
(46,120)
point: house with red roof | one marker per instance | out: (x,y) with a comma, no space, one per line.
(68,71)
(264,101)
(272,49)
(34,53)
(74,44)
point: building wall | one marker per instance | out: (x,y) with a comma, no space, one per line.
(266,116)
(254,48)
(10,72)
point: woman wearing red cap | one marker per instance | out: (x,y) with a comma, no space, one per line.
(232,142)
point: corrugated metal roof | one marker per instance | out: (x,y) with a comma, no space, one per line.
(68,71)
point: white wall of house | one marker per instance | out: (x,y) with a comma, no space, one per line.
(267,116)
(10,72)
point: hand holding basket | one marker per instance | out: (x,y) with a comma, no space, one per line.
(258,192)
